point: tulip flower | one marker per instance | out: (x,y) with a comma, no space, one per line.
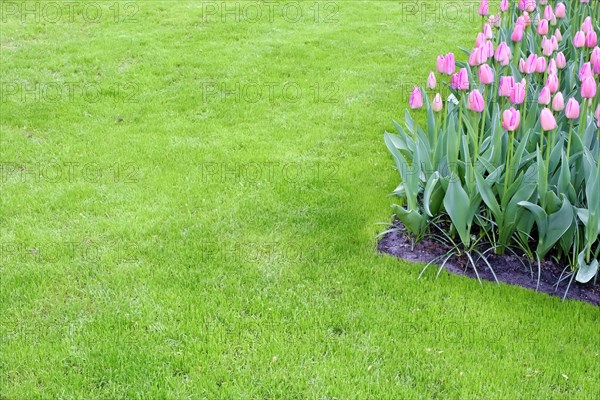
(480,39)
(527,5)
(560,11)
(597,114)
(554,42)
(540,65)
(506,85)
(517,34)
(552,83)
(449,64)
(552,68)
(504,6)
(547,47)
(416,98)
(530,65)
(572,109)
(476,102)
(437,105)
(495,21)
(440,64)
(487,31)
(431,81)
(503,54)
(542,28)
(548,13)
(587,25)
(544,97)
(588,87)
(460,80)
(483,8)
(547,120)
(517,94)
(511,119)
(558,35)
(561,61)
(558,103)
(486,75)
(591,39)
(595,60)
(579,39)
(585,71)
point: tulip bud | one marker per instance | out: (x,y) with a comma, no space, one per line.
(588,87)
(503,54)
(487,31)
(440,64)
(416,98)
(552,68)
(530,64)
(560,11)
(572,110)
(437,105)
(517,94)
(552,83)
(486,75)
(558,35)
(483,8)
(476,102)
(431,81)
(587,25)
(579,39)
(543,27)
(504,6)
(517,34)
(591,39)
(558,103)
(585,71)
(544,97)
(540,65)
(511,119)
(548,13)
(547,120)
(506,85)
(561,61)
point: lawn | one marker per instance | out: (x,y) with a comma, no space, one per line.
(190,197)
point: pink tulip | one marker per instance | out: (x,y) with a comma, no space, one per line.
(449,64)
(503,54)
(460,81)
(552,83)
(560,11)
(558,103)
(530,64)
(489,46)
(431,81)
(517,34)
(587,25)
(554,42)
(588,87)
(597,114)
(561,61)
(595,60)
(526,19)
(475,57)
(527,5)
(572,110)
(547,47)
(552,68)
(440,64)
(517,94)
(548,13)
(483,8)
(540,65)
(544,97)
(547,120)
(506,85)
(486,75)
(579,39)
(511,119)
(495,21)
(480,39)
(585,71)
(521,65)
(476,102)
(437,105)
(487,31)
(543,27)
(504,6)
(591,39)
(416,98)
(558,35)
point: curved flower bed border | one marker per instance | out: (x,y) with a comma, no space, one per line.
(509,160)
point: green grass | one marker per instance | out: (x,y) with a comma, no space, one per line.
(170,276)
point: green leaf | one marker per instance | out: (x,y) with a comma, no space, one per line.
(585,272)
(456,203)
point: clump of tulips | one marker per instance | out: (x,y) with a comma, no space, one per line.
(510,159)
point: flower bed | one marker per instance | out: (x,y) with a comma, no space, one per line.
(508,159)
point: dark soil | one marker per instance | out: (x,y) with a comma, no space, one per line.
(508,268)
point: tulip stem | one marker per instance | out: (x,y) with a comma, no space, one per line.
(569,140)
(583,119)
(508,161)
